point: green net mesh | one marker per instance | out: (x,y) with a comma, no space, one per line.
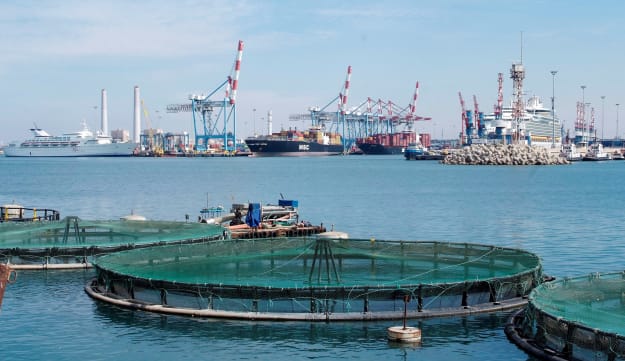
(74,236)
(581,318)
(306,274)
(290,262)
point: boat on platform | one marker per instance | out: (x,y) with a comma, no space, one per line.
(82,143)
(313,142)
(596,153)
(570,152)
(261,221)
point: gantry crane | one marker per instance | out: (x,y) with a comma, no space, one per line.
(207,113)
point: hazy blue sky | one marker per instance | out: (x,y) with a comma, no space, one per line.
(58,55)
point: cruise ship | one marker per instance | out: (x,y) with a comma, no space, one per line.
(82,143)
(538,124)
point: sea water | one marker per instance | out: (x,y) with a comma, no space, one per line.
(571,216)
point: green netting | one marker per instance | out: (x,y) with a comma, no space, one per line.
(71,235)
(304,277)
(596,300)
(284,262)
(580,318)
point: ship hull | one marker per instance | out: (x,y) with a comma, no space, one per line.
(291,148)
(96,150)
(375,148)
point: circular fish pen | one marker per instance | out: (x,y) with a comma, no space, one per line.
(73,242)
(317,279)
(580,318)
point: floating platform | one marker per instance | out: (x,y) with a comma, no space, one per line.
(18,213)
(317,279)
(580,318)
(275,232)
(73,242)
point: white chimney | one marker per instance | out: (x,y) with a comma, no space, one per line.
(104,127)
(137,119)
(269,119)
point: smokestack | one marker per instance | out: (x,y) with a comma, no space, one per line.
(137,119)
(269,119)
(104,127)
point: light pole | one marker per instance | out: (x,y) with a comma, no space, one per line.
(583,115)
(553,107)
(254,120)
(617,104)
(602,116)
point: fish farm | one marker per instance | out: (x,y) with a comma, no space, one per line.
(316,279)
(580,318)
(73,242)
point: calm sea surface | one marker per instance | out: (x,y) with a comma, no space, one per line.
(571,216)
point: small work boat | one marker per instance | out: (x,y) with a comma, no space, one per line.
(570,152)
(260,221)
(596,153)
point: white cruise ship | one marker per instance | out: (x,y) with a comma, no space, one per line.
(537,122)
(82,143)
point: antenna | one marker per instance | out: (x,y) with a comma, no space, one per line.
(521,47)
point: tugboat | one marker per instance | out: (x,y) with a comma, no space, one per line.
(596,153)
(569,151)
(416,151)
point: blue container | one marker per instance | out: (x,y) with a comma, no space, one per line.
(288,203)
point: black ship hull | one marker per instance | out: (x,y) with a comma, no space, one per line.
(292,148)
(376,148)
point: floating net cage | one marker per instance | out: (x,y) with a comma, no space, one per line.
(317,279)
(73,242)
(580,318)
(18,213)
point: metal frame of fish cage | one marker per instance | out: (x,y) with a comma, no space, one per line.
(317,303)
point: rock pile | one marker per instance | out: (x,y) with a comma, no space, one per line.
(502,154)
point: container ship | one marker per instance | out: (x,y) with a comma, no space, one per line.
(391,143)
(312,142)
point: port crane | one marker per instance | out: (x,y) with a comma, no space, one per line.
(466,127)
(323,118)
(208,113)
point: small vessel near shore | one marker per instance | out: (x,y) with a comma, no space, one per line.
(82,143)
(596,153)
(313,142)
(570,152)
(416,151)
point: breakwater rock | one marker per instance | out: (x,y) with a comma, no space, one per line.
(504,154)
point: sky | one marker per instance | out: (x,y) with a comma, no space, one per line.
(57,56)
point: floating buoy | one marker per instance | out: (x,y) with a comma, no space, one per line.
(133,217)
(404,334)
(332,235)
